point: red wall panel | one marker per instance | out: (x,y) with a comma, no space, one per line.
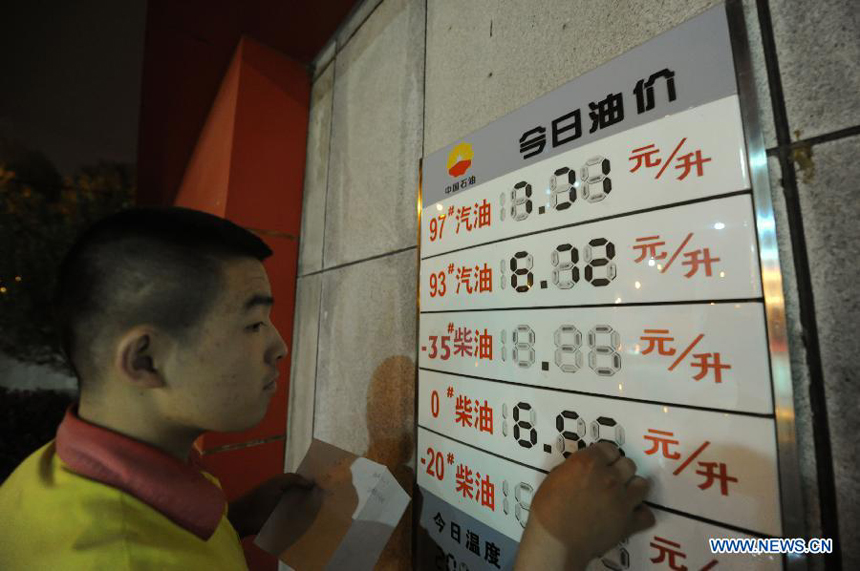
(269,141)
(188,48)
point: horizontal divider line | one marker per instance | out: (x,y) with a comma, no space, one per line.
(650,504)
(361,261)
(589,305)
(602,219)
(707,520)
(610,397)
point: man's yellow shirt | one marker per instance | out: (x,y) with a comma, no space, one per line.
(96,499)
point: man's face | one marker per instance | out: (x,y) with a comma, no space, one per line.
(218,384)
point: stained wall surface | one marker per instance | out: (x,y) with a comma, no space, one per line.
(403,78)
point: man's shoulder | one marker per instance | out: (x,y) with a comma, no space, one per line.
(40,500)
(43,491)
(43,486)
(58,518)
(44,494)
(34,472)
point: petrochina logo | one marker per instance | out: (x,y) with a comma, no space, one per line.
(460,159)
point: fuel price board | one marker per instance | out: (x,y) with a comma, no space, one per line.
(600,265)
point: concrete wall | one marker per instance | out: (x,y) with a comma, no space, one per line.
(402,78)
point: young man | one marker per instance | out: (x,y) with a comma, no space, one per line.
(164,317)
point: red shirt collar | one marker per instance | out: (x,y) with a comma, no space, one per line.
(178,490)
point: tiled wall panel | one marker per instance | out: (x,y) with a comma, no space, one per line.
(487,58)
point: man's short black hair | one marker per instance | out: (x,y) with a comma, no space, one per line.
(155,266)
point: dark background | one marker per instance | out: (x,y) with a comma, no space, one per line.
(127,84)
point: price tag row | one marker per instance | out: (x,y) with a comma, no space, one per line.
(711,355)
(703,251)
(718,466)
(660,163)
(675,541)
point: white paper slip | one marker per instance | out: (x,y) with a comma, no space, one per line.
(344,521)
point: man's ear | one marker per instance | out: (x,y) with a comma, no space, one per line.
(137,360)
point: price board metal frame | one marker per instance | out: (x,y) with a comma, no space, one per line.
(775,362)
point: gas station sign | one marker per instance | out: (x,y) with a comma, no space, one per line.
(601,264)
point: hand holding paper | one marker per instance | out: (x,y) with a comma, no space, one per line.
(344,522)
(248,513)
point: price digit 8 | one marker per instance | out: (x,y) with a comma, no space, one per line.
(606,429)
(597,260)
(521,204)
(568,357)
(596,185)
(523,494)
(604,358)
(524,271)
(577,436)
(524,346)
(521,491)
(562,186)
(559,265)
(523,424)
